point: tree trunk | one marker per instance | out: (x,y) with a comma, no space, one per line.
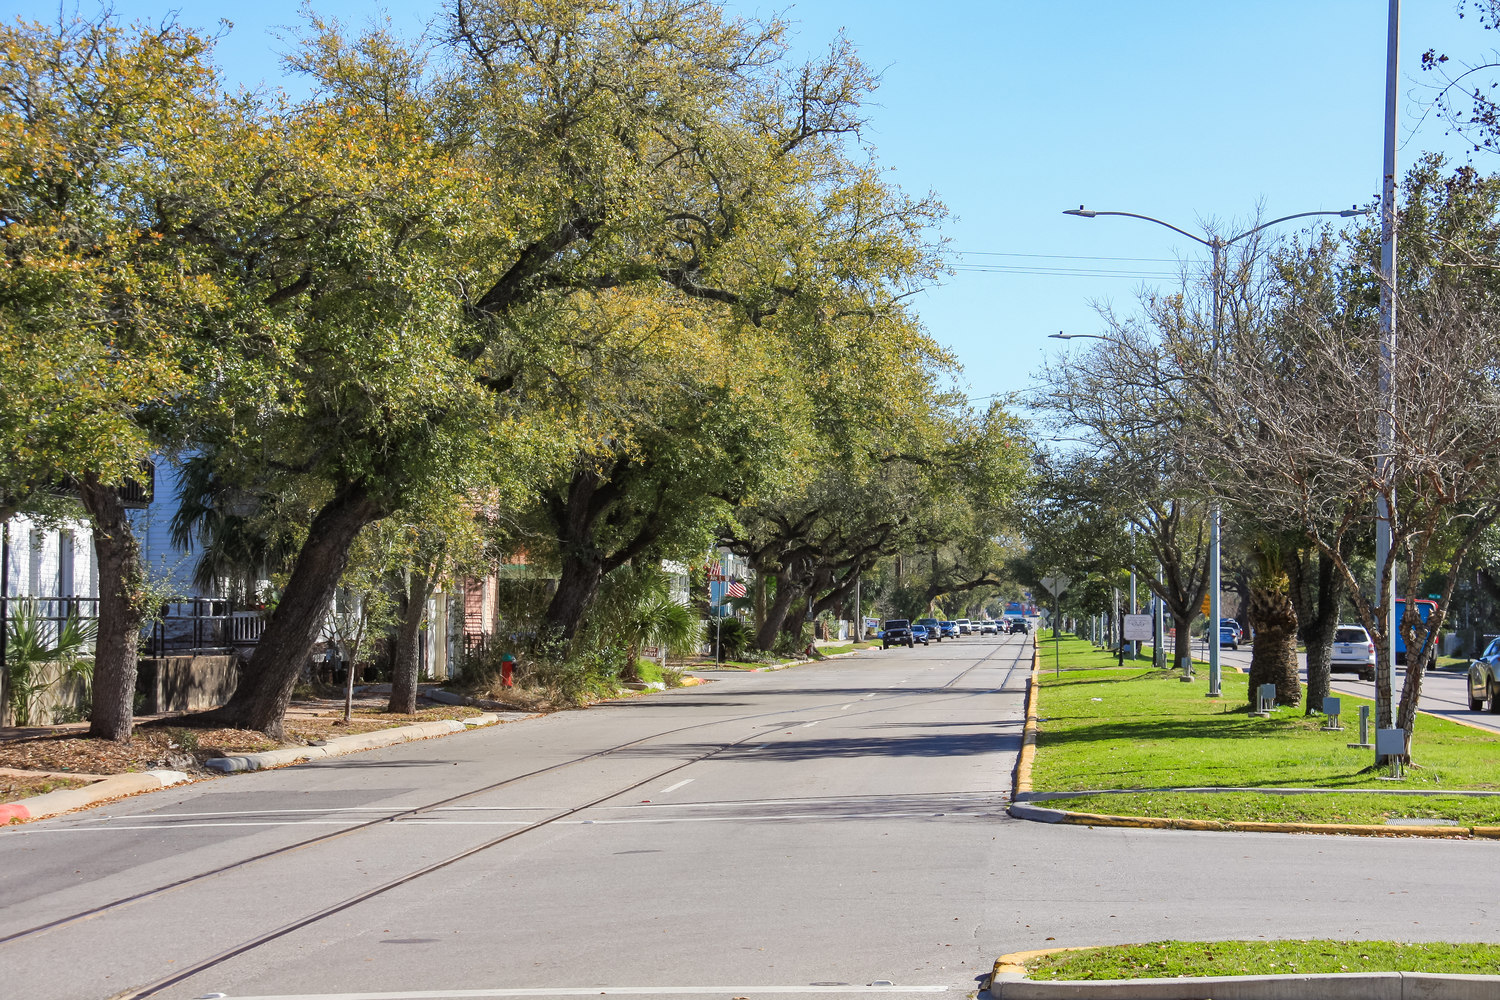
(577,585)
(265,689)
(1182,647)
(776,614)
(760,596)
(121,611)
(1274,660)
(1319,622)
(404,664)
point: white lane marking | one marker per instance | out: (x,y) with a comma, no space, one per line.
(809,725)
(844,708)
(594,991)
(673,788)
(870,695)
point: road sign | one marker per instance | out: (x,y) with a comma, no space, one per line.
(1207,606)
(1139,628)
(1056,585)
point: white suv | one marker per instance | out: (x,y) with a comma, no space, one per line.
(1352,650)
(965,627)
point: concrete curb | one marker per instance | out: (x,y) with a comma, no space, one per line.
(1021,782)
(1040,814)
(68,799)
(1011,985)
(340,745)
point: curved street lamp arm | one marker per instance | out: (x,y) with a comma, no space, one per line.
(1147,218)
(1344,213)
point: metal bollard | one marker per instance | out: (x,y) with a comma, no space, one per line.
(1364,730)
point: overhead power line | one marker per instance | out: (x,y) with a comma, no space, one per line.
(1062,272)
(1061,256)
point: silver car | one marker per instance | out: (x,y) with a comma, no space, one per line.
(1353,650)
(1484,678)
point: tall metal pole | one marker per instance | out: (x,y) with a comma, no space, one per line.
(1385,575)
(1159,653)
(859,611)
(1216,245)
(1135,646)
(1214,614)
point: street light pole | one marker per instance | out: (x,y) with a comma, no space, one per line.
(1385,576)
(1135,646)
(1216,245)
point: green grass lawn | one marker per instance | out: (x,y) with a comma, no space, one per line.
(1162,959)
(1102,727)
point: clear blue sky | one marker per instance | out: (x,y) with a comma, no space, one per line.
(1012,110)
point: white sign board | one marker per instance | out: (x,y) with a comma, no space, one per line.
(1139,628)
(1056,585)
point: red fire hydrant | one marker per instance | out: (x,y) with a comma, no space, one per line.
(507,670)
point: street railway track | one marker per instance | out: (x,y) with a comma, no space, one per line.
(187,972)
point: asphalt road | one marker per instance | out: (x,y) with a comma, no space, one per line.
(830,830)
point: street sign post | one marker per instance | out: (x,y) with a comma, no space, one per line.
(1138,628)
(1056,586)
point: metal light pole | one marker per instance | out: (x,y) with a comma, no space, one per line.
(1135,645)
(1216,246)
(1159,653)
(1385,576)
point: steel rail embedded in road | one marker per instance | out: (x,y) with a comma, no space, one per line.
(180,975)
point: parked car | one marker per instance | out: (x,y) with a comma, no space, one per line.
(988,627)
(948,629)
(933,626)
(1484,679)
(897,633)
(965,627)
(1353,650)
(920,634)
(1229,636)
(1234,626)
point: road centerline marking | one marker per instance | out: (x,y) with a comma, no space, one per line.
(673,788)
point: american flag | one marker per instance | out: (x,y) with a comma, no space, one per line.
(735,589)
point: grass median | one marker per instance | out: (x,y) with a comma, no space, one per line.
(1164,959)
(1133,737)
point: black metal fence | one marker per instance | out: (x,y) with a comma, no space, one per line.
(200,625)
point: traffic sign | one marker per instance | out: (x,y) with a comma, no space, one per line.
(1056,585)
(1207,604)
